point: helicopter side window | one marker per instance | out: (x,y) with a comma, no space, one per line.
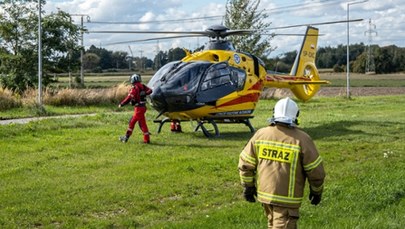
(223,74)
(216,76)
(238,78)
(220,80)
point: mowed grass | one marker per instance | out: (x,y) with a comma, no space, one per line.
(74,173)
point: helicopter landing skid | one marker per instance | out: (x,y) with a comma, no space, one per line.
(161,123)
(214,131)
(208,132)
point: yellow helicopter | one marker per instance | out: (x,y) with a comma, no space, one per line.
(221,85)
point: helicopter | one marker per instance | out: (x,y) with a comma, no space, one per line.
(222,85)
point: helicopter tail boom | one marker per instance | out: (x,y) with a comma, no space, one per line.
(287,81)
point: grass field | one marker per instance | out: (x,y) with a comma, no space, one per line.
(74,173)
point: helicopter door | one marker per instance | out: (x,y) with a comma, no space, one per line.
(219,81)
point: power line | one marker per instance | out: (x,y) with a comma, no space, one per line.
(276,10)
(158,21)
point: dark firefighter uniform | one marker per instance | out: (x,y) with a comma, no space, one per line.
(137,97)
(277,161)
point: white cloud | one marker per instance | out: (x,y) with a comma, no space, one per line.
(387,15)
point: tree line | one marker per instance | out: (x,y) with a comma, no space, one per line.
(98,59)
(388,59)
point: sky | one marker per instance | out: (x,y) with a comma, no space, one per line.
(382,21)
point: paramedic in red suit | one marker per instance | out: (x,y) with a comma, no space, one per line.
(137,97)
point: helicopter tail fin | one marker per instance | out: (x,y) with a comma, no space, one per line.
(307,52)
(304,66)
(303,80)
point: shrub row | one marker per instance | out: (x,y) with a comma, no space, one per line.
(64,97)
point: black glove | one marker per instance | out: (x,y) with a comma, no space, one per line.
(315,198)
(249,194)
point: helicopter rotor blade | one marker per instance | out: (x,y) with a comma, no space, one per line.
(314,24)
(291,34)
(152,39)
(201,33)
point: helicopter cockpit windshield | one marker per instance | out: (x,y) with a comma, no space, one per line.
(160,75)
(175,86)
(186,78)
(186,85)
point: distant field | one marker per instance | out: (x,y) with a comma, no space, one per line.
(363,80)
(100,81)
(74,173)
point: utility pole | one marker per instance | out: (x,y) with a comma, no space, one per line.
(131,58)
(370,65)
(140,61)
(81,52)
(81,43)
(157,57)
(39,55)
(347,49)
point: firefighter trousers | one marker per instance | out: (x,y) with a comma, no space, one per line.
(281,217)
(139,116)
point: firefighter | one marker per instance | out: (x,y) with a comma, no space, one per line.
(275,164)
(137,97)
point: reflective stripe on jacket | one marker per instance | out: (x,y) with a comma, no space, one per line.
(277,160)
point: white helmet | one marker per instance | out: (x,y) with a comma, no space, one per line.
(285,111)
(135,78)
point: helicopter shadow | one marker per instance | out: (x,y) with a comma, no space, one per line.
(341,128)
(193,139)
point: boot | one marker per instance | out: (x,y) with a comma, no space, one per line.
(124,139)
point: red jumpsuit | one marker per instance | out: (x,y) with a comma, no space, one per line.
(137,96)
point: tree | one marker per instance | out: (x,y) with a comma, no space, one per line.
(90,61)
(160,59)
(59,43)
(105,56)
(383,61)
(16,20)
(19,44)
(119,59)
(359,65)
(175,54)
(244,14)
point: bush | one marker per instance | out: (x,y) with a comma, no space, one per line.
(63,97)
(338,68)
(7,100)
(86,97)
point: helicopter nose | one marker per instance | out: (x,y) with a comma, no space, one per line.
(158,100)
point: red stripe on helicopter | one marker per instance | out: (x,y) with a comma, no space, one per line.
(246,98)
(257,86)
(243,99)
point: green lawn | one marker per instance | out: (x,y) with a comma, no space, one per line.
(74,173)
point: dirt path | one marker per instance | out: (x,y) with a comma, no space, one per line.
(339,91)
(27,120)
